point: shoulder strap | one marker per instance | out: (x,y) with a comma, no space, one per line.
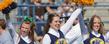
(61,34)
(53,38)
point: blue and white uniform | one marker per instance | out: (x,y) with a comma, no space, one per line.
(64,28)
(25,40)
(19,39)
(95,38)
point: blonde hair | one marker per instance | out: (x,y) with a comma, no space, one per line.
(101,30)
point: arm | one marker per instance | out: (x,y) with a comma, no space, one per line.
(10,26)
(11,29)
(16,39)
(74,34)
(107,37)
(70,21)
(46,39)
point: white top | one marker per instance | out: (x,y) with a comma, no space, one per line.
(26,39)
(16,36)
(17,39)
(64,29)
(46,39)
(86,36)
(94,33)
(76,36)
(106,37)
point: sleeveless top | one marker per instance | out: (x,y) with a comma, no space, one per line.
(54,38)
(94,40)
(23,42)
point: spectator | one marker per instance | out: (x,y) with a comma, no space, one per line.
(5,37)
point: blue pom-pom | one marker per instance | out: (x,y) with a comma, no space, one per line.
(6,10)
(13,5)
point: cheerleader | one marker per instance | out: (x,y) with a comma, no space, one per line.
(53,29)
(26,32)
(24,35)
(97,31)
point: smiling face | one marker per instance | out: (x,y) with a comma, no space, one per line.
(55,24)
(96,24)
(25,28)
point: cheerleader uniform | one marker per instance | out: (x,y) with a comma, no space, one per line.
(53,33)
(52,36)
(55,38)
(25,40)
(95,39)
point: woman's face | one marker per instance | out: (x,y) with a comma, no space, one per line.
(25,28)
(96,24)
(55,24)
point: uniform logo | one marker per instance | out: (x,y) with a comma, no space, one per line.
(96,41)
(61,41)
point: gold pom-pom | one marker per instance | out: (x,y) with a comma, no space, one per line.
(84,2)
(4,4)
(61,41)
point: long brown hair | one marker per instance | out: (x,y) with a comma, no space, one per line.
(101,30)
(31,32)
(49,20)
